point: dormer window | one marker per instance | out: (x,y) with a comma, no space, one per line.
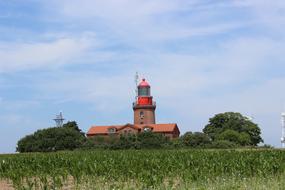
(147,129)
(112,130)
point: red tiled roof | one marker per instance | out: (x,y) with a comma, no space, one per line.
(166,128)
(101,129)
(160,127)
(128,125)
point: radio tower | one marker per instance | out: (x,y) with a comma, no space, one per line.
(59,120)
(283,130)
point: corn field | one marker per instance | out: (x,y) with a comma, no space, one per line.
(144,169)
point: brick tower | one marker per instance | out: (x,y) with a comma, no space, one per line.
(144,107)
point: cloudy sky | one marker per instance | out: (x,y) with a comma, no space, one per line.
(201,57)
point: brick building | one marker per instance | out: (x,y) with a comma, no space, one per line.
(144,119)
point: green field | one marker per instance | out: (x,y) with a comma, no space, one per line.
(146,169)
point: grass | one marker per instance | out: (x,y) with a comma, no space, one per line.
(146,169)
(220,183)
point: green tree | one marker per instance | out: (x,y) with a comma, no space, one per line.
(235,137)
(52,139)
(233,127)
(72,125)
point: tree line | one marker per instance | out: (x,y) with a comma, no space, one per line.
(225,130)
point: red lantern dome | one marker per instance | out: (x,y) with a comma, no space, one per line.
(143,83)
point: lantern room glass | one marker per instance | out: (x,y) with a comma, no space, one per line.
(145,91)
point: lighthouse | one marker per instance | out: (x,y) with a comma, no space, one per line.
(144,119)
(144,106)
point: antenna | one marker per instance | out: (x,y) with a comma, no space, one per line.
(283,130)
(136,82)
(59,120)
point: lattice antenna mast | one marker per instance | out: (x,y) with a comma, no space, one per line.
(136,82)
(283,131)
(59,120)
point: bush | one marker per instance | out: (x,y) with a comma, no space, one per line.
(223,144)
(151,140)
(196,140)
(145,140)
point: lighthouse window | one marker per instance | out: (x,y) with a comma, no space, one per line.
(144,92)
(141,115)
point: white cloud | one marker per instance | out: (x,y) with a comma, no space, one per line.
(22,56)
(17,105)
(128,10)
(272,14)
(99,92)
(141,22)
(12,119)
(235,63)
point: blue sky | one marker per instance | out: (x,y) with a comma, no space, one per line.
(201,57)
